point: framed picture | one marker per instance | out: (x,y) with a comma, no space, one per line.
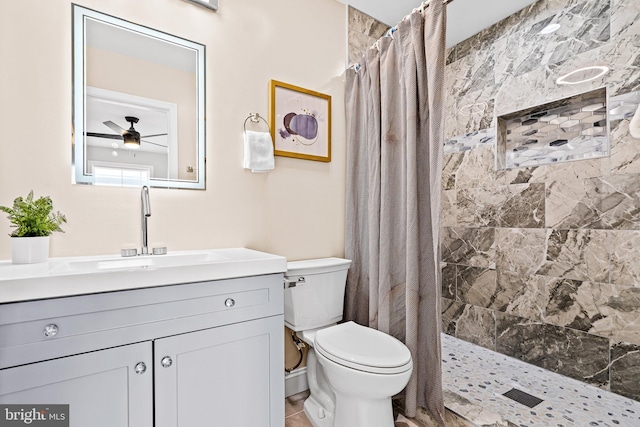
(300,121)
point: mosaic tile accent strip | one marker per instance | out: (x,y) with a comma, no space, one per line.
(623,106)
(475,378)
(573,128)
(470,140)
(559,134)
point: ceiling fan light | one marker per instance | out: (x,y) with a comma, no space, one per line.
(132,140)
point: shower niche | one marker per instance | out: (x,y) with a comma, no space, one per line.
(569,129)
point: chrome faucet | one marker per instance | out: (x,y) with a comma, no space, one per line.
(145,214)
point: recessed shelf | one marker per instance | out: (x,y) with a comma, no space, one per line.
(568,129)
(582,121)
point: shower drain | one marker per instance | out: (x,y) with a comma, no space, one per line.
(522,397)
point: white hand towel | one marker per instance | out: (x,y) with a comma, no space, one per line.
(258,151)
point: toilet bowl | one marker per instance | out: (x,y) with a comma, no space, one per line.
(364,368)
(353,371)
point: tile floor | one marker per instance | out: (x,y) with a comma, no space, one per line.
(294,412)
(474,380)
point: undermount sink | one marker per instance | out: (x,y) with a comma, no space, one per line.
(91,274)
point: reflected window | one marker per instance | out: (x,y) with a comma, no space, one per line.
(125,176)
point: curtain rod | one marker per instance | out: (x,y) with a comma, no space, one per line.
(422,7)
(425,4)
(391,30)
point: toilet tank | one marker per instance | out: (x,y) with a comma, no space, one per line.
(314,292)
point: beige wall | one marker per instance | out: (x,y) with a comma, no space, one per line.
(296,211)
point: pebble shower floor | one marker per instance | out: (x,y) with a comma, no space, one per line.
(475,378)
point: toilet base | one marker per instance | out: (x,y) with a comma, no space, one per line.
(353,411)
(316,413)
(320,405)
(345,397)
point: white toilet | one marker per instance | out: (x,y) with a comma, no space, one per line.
(352,370)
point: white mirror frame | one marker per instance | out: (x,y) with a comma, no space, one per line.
(80,176)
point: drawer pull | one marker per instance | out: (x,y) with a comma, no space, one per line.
(140,368)
(166,362)
(229,302)
(51,330)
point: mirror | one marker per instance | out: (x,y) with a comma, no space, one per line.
(138,105)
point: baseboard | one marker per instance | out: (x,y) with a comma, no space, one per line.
(296,382)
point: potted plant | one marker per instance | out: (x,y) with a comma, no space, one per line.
(34,221)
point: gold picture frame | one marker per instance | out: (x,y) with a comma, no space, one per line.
(300,122)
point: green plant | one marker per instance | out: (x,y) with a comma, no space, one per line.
(33,218)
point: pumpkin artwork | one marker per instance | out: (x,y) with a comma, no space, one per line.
(302,128)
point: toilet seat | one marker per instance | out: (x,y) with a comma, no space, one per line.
(364,349)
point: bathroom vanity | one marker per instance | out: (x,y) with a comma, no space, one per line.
(186,339)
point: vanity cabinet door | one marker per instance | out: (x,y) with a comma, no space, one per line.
(227,376)
(101,388)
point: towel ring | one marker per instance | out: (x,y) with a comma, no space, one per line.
(255,118)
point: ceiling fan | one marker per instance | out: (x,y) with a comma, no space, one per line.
(131,137)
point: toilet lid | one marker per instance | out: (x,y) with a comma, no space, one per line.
(363,348)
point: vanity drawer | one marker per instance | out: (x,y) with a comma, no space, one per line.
(40,330)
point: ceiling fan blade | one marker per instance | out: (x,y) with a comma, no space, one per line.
(153,143)
(157,134)
(105,135)
(114,127)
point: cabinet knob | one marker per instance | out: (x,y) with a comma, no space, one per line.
(51,330)
(229,302)
(140,368)
(166,362)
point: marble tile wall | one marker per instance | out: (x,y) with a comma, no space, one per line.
(542,263)
(364,31)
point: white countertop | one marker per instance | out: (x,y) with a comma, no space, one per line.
(61,277)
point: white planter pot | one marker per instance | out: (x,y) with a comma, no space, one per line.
(29,250)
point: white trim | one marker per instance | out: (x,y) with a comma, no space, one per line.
(296,382)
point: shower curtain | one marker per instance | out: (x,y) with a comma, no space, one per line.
(395,137)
